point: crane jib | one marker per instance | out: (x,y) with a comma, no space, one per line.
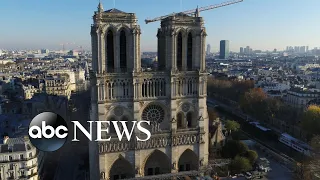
(194,11)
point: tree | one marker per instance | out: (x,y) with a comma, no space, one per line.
(252,156)
(221,171)
(228,88)
(254,103)
(303,172)
(273,106)
(310,166)
(314,164)
(311,120)
(238,135)
(232,126)
(240,164)
(288,114)
(233,148)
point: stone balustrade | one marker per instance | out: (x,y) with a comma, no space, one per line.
(156,141)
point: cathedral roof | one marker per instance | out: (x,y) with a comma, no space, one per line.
(114,10)
(182,14)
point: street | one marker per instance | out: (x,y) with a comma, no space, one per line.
(73,156)
(278,170)
(76,152)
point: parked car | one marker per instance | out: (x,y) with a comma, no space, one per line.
(247,175)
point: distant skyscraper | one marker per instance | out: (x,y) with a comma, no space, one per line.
(247,50)
(224,49)
(208,49)
(241,50)
(44,51)
(307,48)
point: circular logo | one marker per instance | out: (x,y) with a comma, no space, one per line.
(48,131)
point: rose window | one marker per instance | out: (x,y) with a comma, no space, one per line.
(118,111)
(153,113)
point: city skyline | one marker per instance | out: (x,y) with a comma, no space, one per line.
(49,24)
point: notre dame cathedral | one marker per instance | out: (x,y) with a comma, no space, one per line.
(172,97)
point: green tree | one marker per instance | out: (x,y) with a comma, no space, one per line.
(232,126)
(233,148)
(252,156)
(240,164)
(311,120)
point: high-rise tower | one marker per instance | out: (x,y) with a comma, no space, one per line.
(208,49)
(172,98)
(224,49)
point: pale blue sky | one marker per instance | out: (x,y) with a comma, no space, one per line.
(261,24)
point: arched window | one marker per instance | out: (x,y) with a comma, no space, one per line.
(123,51)
(157,163)
(189,119)
(179,121)
(110,51)
(189,52)
(94,38)
(179,51)
(121,169)
(144,89)
(188,161)
(190,88)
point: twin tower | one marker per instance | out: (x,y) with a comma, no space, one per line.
(172,97)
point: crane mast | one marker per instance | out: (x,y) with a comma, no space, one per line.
(196,11)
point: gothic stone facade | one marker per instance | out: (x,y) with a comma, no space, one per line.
(173,97)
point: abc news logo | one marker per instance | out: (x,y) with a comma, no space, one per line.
(49,131)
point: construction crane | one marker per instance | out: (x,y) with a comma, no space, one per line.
(195,12)
(64,45)
(79,49)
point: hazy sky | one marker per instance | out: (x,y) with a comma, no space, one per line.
(261,24)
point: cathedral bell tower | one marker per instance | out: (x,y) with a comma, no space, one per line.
(115,38)
(181,51)
(181,43)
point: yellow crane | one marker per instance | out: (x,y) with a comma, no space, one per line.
(195,12)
